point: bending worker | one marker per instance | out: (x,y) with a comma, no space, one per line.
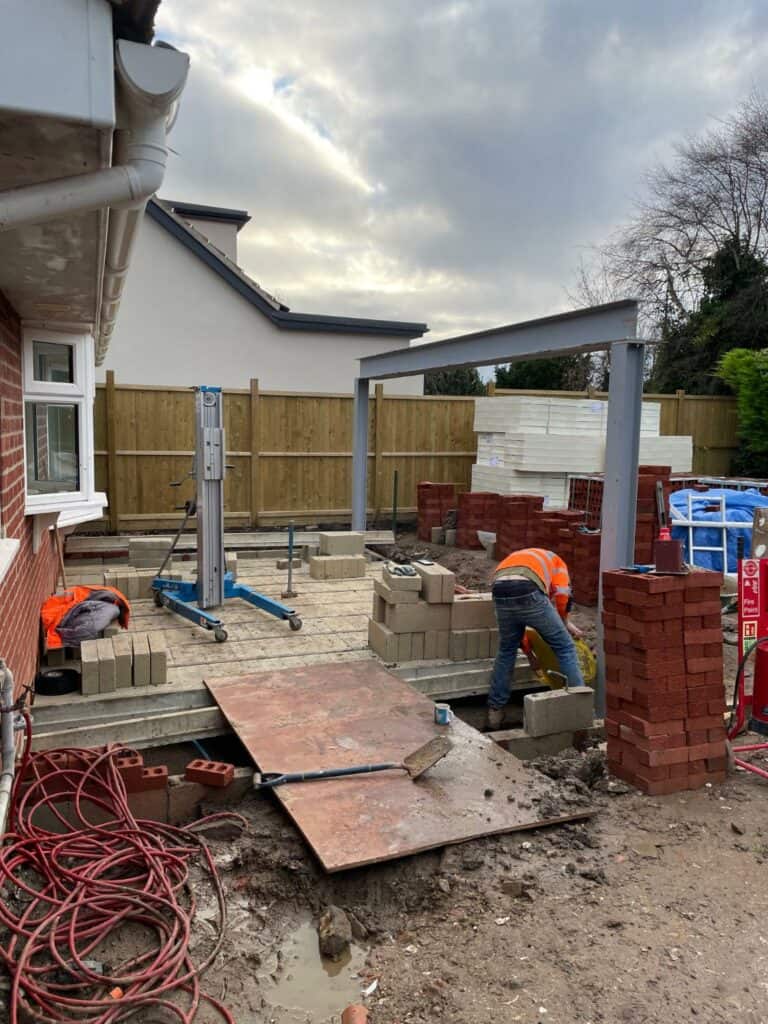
(531,588)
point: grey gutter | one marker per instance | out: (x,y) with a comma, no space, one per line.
(200,212)
(282,317)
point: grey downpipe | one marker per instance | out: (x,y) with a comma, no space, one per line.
(7,742)
(150,80)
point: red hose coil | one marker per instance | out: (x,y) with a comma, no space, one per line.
(81,886)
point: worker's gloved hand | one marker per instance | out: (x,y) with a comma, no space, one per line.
(574,630)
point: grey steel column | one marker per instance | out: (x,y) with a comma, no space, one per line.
(360,454)
(209,475)
(617,545)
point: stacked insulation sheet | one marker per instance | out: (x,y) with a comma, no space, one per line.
(531,444)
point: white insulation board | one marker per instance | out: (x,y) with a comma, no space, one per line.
(553,486)
(544,415)
(542,453)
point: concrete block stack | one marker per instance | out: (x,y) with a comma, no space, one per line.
(514,514)
(433,502)
(664,680)
(128,659)
(422,618)
(341,557)
(133,583)
(477,510)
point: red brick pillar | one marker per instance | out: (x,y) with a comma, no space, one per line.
(664,680)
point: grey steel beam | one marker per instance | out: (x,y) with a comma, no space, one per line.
(583,330)
(360,454)
(622,449)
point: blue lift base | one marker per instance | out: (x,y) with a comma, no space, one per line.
(180,596)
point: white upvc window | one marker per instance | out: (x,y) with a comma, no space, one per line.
(59,389)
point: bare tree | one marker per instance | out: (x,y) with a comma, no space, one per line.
(715,192)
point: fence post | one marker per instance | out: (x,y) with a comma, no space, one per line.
(255,409)
(680,396)
(378,450)
(110,413)
(490,388)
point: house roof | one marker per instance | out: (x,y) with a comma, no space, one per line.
(166,215)
(218,213)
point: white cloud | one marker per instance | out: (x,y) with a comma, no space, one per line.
(446,161)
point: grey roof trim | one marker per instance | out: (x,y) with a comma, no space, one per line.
(279,314)
(196,211)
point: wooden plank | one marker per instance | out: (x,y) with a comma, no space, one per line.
(335,716)
(255,416)
(113,490)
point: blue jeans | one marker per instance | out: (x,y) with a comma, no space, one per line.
(513,614)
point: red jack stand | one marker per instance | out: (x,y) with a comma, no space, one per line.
(751,710)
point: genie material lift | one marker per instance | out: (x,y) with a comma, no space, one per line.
(214,585)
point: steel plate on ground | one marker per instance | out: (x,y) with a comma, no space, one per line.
(339,715)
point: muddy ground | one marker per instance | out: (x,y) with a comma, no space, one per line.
(651,911)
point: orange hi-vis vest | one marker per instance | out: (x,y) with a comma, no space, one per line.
(550,569)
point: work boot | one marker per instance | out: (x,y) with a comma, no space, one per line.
(494,719)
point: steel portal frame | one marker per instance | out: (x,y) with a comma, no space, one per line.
(611,326)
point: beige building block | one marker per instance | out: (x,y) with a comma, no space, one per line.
(395,596)
(443,644)
(141,675)
(379,606)
(493,643)
(437,583)
(401,582)
(483,643)
(417,646)
(457,647)
(342,543)
(430,645)
(382,640)
(354,567)
(158,659)
(417,618)
(473,611)
(89,667)
(122,646)
(404,646)
(318,567)
(107,670)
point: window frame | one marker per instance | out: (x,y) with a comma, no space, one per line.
(81,393)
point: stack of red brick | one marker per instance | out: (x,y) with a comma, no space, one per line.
(647,521)
(477,510)
(664,680)
(433,502)
(585,567)
(554,529)
(586,494)
(514,514)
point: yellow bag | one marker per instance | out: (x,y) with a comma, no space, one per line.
(548,661)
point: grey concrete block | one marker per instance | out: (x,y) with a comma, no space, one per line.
(450,538)
(559,711)
(56,657)
(318,567)
(379,609)
(89,667)
(417,646)
(158,659)
(437,583)
(342,543)
(230,563)
(382,640)
(141,675)
(386,593)
(107,668)
(132,584)
(438,535)
(282,563)
(401,582)
(123,650)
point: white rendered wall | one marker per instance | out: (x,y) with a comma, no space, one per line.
(180,324)
(222,234)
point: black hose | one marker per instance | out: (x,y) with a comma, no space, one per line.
(740,673)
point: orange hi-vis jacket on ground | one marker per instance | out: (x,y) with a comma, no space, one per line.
(56,607)
(549,568)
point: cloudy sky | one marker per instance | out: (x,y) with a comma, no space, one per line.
(446,161)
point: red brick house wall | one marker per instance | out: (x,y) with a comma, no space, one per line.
(31,578)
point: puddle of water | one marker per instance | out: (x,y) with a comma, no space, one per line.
(311,984)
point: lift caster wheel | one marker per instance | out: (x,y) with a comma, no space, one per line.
(157,597)
(220,635)
(295,623)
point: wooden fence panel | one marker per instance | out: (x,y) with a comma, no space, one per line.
(290,453)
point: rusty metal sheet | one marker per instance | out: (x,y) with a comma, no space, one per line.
(338,715)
